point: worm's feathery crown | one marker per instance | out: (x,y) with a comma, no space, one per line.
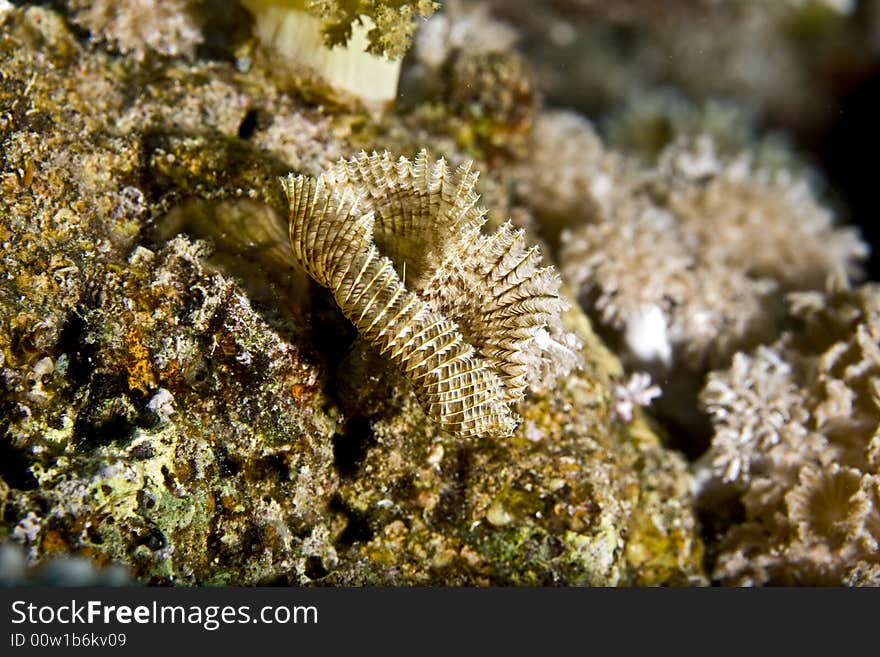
(475,302)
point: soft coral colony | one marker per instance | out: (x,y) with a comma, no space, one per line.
(698,264)
(708,244)
(797,443)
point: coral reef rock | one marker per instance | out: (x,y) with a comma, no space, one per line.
(193,408)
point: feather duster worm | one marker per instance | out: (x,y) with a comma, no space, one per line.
(469,318)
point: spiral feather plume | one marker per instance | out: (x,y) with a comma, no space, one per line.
(461,327)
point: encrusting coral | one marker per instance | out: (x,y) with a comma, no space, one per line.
(471,335)
(797,445)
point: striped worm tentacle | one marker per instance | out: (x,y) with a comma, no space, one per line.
(456,388)
(399,244)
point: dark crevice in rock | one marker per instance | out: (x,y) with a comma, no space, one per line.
(358,528)
(80,353)
(248,126)
(350,447)
(315,568)
(15,467)
(106,418)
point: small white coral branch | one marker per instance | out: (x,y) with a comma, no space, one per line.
(636,391)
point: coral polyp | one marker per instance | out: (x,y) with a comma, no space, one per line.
(465,332)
